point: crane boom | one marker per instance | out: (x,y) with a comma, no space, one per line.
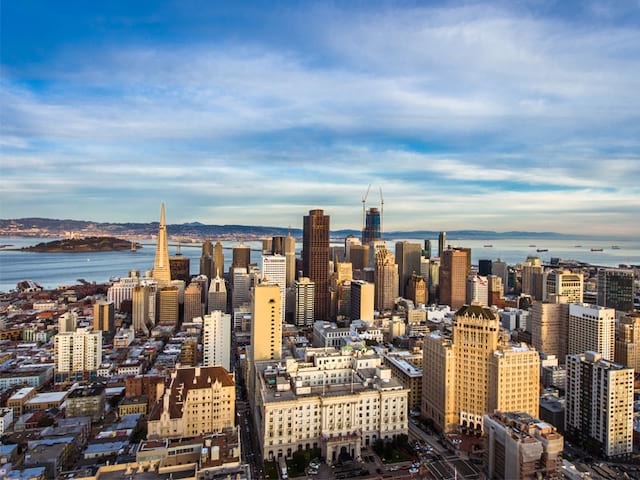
(364,200)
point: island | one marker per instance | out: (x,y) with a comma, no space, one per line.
(83,245)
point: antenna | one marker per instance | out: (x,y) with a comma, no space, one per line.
(381,213)
(364,199)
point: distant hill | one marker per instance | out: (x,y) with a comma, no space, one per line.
(54,227)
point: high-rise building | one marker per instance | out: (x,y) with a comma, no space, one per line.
(386,280)
(305,295)
(477,290)
(615,288)
(216,340)
(192,302)
(207,248)
(217,296)
(241,255)
(475,371)
(121,291)
(268,244)
(522,447)
(290,255)
(144,307)
(563,283)
(372,226)
(550,326)
(628,341)
(198,401)
(362,300)
(161,267)
(350,241)
(266,331)
(426,251)
(496,291)
(453,277)
(68,322)
(104,317)
(416,290)
(274,270)
(180,267)
(531,278)
(168,305)
(359,255)
(408,260)
(599,404)
(78,355)
(218,260)
(315,259)
(442,243)
(591,328)
(501,269)
(484,267)
(241,284)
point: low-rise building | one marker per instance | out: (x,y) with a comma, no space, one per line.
(18,400)
(86,402)
(130,405)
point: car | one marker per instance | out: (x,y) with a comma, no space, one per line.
(413,470)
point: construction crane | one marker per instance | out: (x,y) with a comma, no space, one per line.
(364,200)
(381,212)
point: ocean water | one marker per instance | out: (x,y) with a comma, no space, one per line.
(54,269)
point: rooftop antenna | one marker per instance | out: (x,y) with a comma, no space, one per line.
(364,200)
(381,213)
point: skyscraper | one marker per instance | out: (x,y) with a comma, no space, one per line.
(217,296)
(372,226)
(416,290)
(216,340)
(442,243)
(192,302)
(266,329)
(241,256)
(104,317)
(599,405)
(477,290)
(615,288)
(484,267)
(218,260)
(141,316)
(549,326)
(305,295)
(362,300)
(591,328)
(408,260)
(563,283)
(426,251)
(628,341)
(386,280)
(180,267)
(168,305)
(274,270)
(453,277)
(315,258)
(161,266)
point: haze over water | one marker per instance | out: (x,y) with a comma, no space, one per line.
(54,269)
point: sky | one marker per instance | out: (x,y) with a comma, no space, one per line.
(505,115)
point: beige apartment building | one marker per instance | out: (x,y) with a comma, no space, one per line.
(563,283)
(591,328)
(476,371)
(628,341)
(549,326)
(338,401)
(198,401)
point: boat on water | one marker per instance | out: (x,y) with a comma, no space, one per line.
(615,247)
(597,249)
(542,250)
(488,246)
(532,246)
(578,246)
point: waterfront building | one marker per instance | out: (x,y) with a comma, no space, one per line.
(599,404)
(216,340)
(591,328)
(198,401)
(615,288)
(315,259)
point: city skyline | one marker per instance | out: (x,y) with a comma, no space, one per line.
(470,116)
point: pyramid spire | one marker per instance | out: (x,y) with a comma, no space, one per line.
(161,270)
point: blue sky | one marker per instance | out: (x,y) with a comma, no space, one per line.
(501,116)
